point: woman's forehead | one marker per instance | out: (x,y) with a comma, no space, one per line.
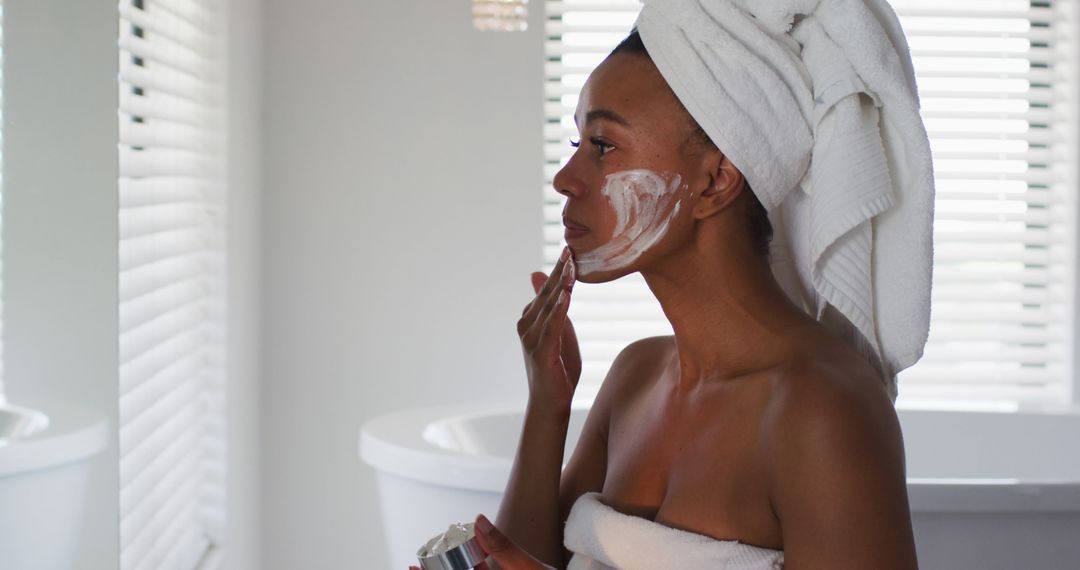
(626,89)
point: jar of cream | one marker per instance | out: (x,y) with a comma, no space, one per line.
(455,549)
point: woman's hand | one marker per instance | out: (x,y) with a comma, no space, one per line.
(502,553)
(550,347)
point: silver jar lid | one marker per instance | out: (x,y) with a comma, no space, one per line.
(464,556)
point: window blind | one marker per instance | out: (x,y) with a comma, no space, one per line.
(172,382)
(998,83)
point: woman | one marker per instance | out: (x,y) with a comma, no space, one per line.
(752,423)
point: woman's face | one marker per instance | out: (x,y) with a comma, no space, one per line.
(630,180)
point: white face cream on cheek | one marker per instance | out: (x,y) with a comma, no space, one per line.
(642,200)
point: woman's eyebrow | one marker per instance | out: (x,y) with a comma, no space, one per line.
(598,114)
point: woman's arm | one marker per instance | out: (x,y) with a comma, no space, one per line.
(587,467)
(837,476)
(529,513)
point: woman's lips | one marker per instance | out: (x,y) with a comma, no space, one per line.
(574,233)
(573,229)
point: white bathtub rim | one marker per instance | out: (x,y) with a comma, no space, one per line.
(393,443)
(74,433)
(473,474)
(30,421)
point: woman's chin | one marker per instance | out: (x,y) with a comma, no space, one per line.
(601,275)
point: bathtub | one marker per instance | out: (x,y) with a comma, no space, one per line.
(44,464)
(987,490)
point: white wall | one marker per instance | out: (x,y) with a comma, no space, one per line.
(242,551)
(401,220)
(61,228)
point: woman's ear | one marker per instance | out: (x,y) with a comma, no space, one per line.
(725,183)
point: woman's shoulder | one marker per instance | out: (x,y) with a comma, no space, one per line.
(825,381)
(642,355)
(832,449)
(653,348)
(820,362)
(635,367)
(640,359)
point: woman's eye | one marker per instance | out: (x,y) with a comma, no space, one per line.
(603,146)
(598,143)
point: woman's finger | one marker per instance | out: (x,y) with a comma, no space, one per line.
(553,324)
(556,304)
(547,292)
(571,351)
(501,549)
(539,278)
(534,310)
(556,273)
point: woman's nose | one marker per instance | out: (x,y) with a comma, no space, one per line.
(566,183)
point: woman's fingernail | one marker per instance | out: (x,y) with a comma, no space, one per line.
(565,254)
(484,525)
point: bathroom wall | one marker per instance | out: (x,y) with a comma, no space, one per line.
(60,228)
(401,220)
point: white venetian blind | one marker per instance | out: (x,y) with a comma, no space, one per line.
(172,433)
(998,84)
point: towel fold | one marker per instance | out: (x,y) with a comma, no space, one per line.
(815,102)
(601,538)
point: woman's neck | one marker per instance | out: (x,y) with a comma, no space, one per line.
(728,313)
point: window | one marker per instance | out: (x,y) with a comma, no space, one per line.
(998,80)
(172,433)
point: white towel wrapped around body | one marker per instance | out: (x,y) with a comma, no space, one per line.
(815,102)
(602,538)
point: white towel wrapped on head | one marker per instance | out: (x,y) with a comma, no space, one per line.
(815,102)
